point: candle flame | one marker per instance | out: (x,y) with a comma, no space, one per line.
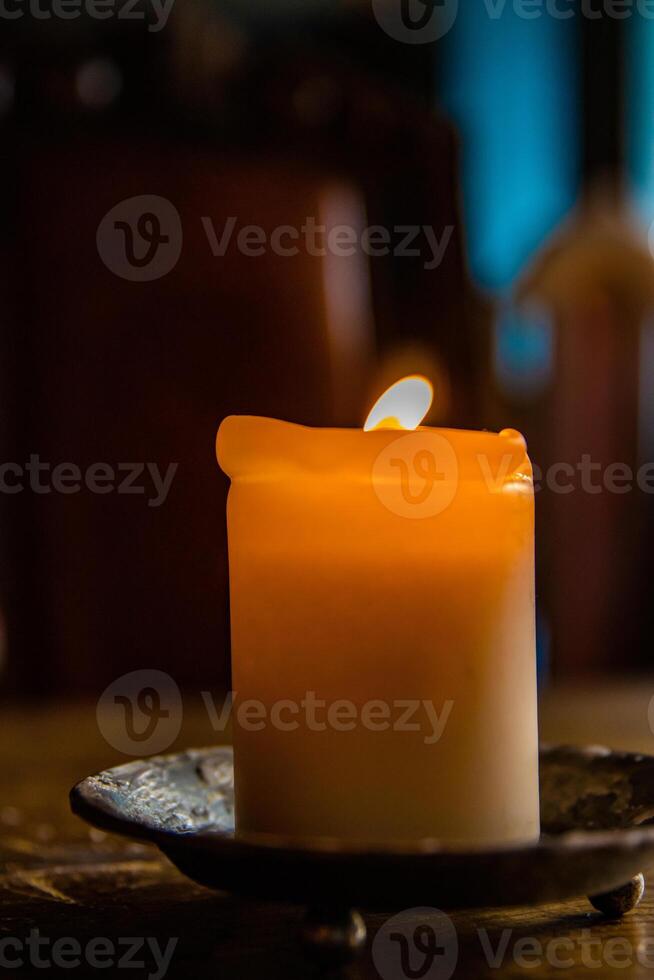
(402,406)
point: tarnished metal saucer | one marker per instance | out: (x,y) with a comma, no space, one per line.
(595,808)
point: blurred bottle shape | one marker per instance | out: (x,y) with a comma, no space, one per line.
(586,307)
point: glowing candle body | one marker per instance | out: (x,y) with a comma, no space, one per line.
(362,578)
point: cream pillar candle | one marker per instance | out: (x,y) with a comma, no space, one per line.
(382,615)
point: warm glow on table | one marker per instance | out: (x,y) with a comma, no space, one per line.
(387,567)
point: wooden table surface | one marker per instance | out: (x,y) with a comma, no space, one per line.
(68,881)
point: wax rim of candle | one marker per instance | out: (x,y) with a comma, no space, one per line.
(252,447)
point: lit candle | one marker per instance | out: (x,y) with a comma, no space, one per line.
(382,616)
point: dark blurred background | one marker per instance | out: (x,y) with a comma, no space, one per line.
(525,144)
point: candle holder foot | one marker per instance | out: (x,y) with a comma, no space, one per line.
(617,902)
(332,938)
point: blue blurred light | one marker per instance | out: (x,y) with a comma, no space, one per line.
(510,83)
(639,104)
(524,351)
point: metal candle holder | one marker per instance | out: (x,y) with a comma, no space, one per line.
(596,839)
